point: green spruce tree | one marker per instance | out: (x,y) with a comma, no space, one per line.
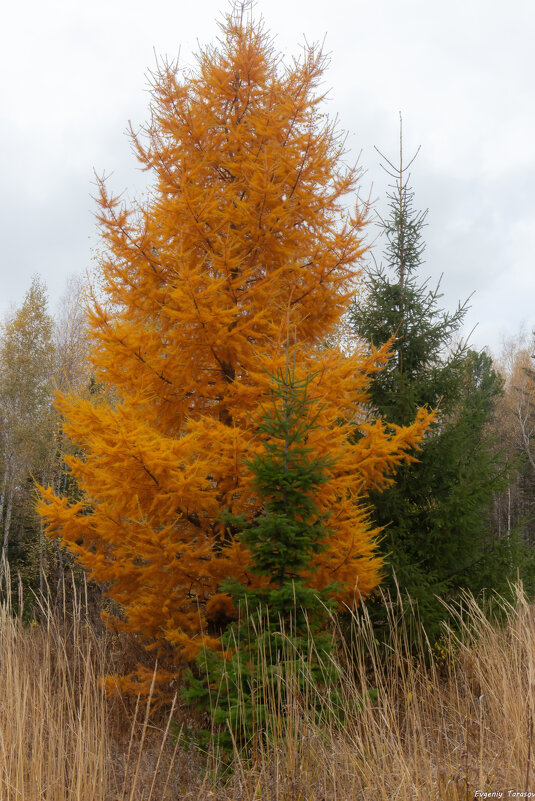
(281,636)
(436,537)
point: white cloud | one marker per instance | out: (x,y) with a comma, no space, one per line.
(460,72)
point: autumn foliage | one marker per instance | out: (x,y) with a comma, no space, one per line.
(244,237)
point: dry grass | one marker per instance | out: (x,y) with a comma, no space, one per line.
(412,728)
(452,726)
(61,739)
(52,712)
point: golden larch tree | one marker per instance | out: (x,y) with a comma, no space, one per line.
(244,236)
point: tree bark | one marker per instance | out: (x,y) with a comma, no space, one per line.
(3,495)
(5,543)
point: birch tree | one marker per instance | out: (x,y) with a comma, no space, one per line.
(26,411)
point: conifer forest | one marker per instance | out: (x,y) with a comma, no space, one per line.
(267,517)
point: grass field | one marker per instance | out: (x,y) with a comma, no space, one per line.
(439,726)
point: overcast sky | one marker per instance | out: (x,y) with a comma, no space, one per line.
(461,73)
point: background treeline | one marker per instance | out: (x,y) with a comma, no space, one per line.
(39,354)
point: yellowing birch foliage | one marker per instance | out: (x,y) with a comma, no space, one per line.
(244,236)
